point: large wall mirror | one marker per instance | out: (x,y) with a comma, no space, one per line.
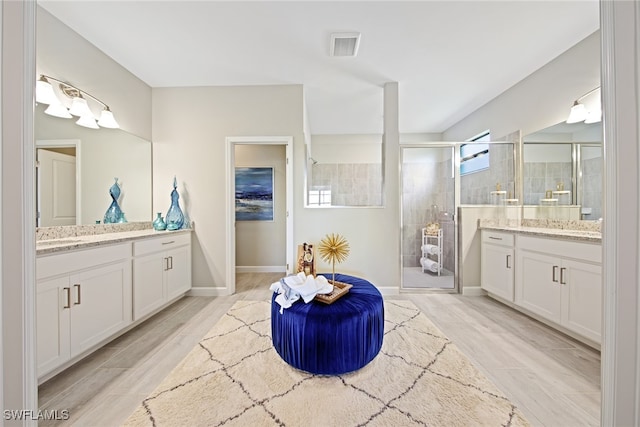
(78,166)
(487,173)
(344,170)
(562,174)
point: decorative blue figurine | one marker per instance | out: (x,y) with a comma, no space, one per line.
(114,213)
(175,217)
(159,224)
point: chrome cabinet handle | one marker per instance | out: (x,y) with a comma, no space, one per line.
(168,243)
(508,257)
(495,238)
(562,270)
(553,274)
(68,298)
(170,263)
(78,294)
(166,263)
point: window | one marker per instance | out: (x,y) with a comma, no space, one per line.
(474,157)
(320,196)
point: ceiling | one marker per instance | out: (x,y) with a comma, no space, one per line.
(448,57)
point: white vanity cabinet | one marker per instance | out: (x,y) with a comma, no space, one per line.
(161,271)
(497,257)
(83,297)
(561,281)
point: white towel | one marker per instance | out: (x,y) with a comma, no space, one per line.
(431,249)
(429,264)
(291,288)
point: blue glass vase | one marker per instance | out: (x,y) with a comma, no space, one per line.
(159,223)
(114,213)
(174,217)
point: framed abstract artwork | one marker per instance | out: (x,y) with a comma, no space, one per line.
(254,194)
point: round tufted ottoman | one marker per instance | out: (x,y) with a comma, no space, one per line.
(331,339)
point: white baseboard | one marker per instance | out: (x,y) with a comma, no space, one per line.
(208,291)
(261,269)
(473,291)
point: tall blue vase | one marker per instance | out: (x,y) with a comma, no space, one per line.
(113,213)
(174,218)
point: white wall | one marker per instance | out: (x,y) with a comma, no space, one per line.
(61,53)
(189,130)
(542,99)
(261,245)
(362,148)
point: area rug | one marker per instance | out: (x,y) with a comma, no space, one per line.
(234,377)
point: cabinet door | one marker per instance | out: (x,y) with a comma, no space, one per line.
(582,298)
(148,279)
(52,323)
(538,287)
(179,271)
(100,304)
(497,270)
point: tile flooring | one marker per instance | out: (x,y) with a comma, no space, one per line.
(553,379)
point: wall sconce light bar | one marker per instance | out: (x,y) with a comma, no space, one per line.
(79,107)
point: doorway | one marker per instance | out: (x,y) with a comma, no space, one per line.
(429,231)
(232,144)
(58,192)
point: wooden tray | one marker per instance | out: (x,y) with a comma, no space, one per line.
(339,289)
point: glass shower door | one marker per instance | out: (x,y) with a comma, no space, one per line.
(428,221)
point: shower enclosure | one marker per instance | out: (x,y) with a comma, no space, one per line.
(428,221)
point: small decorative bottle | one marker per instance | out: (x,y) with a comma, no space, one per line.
(113,214)
(175,217)
(159,224)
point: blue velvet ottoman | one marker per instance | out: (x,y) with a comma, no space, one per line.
(331,339)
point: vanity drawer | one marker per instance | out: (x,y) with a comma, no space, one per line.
(157,244)
(63,263)
(497,238)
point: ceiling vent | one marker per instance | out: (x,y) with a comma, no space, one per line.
(345,44)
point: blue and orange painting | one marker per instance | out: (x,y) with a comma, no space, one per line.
(254,194)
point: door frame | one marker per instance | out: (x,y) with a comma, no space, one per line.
(456,190)
(62,143)
(230,143)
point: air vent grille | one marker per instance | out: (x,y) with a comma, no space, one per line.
(345,44)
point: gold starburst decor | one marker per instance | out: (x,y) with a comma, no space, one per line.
(333,248)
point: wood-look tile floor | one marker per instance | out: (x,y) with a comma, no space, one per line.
(554,380)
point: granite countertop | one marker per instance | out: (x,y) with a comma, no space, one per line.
(66,242)
(583,231)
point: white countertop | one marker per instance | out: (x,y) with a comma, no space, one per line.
(568,234)
(70,243)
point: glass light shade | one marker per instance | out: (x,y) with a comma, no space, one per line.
(45,94)
(79,107)
(594,116)
(88,121)
(107,120)
(56,109)
(578,113)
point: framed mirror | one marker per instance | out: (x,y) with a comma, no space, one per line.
(89,160)
(562,173)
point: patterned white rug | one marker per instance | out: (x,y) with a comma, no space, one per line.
(234,377)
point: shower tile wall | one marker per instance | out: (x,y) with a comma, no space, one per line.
(425,185)
(592,187)
(476,188)
(541,177)
(351,184)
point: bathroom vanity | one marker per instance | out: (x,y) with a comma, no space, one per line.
(92,288)
(551,274)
